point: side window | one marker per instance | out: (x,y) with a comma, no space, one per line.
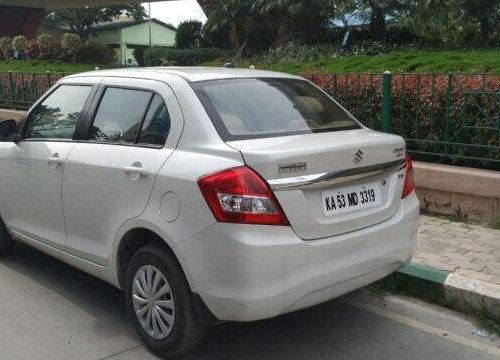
(120,114)
(57,116)
(156,125)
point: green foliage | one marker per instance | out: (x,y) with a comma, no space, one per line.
(83,21)
(188,34)
(260,37)
(459,35)
(6,47)
(71,43)
(95,53)
(181,57)
(19,43)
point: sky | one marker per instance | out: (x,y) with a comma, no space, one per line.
(174,12)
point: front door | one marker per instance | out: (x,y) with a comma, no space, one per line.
(108,177)
(31,171)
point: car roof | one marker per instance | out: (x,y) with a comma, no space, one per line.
(190,74)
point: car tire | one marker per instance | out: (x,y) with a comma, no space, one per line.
(151,270)
(6,241)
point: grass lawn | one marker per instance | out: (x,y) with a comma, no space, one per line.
(397,61)
(47,65)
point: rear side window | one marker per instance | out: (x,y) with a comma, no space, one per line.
(120,115)
(131,116)
(156,125)
(258,108)
(57,116)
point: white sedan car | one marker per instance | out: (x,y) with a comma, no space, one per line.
(206,194)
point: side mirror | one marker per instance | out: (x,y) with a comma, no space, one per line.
(8,130)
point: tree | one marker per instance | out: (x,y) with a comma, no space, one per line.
(229,17)
(188,34)
(347,10)
(305,19)
(379,11)
(84,20)
(71,43)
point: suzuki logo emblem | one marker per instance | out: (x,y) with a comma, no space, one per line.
(358,157)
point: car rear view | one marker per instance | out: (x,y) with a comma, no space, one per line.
(322,205)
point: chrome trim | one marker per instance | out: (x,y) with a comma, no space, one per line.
(336,177)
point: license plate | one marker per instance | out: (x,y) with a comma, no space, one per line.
(352,198)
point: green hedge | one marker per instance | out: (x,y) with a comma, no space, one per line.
(183,57)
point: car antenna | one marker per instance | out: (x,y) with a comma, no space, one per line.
(232,63)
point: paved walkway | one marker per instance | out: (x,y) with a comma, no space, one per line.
(464,249)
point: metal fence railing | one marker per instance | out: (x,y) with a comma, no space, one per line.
(19,90)
(453,118)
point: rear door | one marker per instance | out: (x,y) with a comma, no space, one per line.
(330,174)
(132,130)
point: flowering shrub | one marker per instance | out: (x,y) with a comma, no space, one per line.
(6,47)
(49,48)
(32,50)
(94,53)
(71,43)
(19,44)
(295,53)
(446,117)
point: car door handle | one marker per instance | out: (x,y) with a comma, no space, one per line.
(135,170)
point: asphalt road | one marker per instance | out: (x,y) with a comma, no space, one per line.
(51,311)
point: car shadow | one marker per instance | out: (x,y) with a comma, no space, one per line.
(89,294)
(315,333)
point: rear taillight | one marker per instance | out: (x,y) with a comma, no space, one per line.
(409,185)
(239,195)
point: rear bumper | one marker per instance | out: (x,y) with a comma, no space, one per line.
(248,272)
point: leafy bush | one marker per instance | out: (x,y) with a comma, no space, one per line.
(49,48)
(188,34)
(71,43)
(32,50)
(94,53)
(183,57)
(44,39)
(6,47)
(19,44)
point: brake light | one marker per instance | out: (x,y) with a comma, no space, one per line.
(240,195)
(409,185)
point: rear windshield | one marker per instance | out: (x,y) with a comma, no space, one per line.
(265,107)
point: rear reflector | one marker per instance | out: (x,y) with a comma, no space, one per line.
(240,195)
(409,185)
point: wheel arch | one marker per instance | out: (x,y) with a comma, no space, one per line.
(132,241)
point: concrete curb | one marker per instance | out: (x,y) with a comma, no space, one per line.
(462,293)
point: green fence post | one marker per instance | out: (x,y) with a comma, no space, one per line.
(49,80)
(386,101)
(12,90)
